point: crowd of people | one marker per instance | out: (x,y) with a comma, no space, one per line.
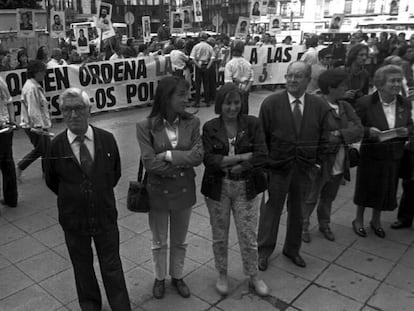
(299,149)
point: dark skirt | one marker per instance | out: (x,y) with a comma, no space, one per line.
(376,184)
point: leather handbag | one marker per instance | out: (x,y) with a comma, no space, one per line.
(353,156)
(138,199)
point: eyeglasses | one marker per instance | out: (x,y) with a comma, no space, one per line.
(295,76)
(78,109)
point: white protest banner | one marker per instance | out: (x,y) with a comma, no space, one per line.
(109,84)
(270,62)
(128,82)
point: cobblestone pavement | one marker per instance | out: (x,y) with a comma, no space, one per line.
(350,274)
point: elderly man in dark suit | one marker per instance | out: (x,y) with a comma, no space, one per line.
(82,168)
(294,124)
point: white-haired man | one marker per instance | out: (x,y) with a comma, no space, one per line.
(82,168)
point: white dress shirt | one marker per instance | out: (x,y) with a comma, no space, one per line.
(389,111)
(292,102)
(172,133)
(338,167)
(89,141)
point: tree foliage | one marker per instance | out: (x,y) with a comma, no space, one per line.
(16,4)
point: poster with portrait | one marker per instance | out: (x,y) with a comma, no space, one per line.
(188,16)
(198,13)
(263,7)
(103,19)
(243,26)
(336,22)
(275,25)
(82,40)
(57,24)
(177,22)
(25,23)
(146,28)
(271,7)
(255,9)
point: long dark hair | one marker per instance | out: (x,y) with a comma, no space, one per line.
(41,54)
(353,53)
(165,90)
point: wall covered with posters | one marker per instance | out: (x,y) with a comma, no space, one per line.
(128,82)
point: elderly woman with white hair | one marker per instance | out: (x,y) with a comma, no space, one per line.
(82,168)
(380,154)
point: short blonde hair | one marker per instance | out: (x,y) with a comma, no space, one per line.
(74,92)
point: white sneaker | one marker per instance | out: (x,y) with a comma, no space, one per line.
(222,285)
(259,286)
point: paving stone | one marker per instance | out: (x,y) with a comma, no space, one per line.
(402,277)
(244,300)
(137,249)
(389,298)
(51,237)
(173,302)
(199,249)
(322,248)
(73,306)
(326,301)
(407,258)
(137,222)
(366,264)
(61,286)
(21,249)
(4,262)
(314,266)
(139,283)
(203,284)
(44,265)
(381,247)
(52,212)
(62,251)
(405,236)
(30,299)
(35,222)
(283,285)
(234,266)
(347,283)
(12,281)
(125,234)
(344,234)
(9,233)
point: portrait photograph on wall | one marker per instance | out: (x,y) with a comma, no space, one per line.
(25,23)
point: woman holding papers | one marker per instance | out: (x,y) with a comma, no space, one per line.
(386,117)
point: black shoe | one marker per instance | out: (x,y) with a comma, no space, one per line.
(400,225)
(296,259)
(181,287)
(378,231)
(327,233)
(359,231)
(262,265)
(8,204)
(158,290)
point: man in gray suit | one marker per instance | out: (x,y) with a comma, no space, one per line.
(294,124)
